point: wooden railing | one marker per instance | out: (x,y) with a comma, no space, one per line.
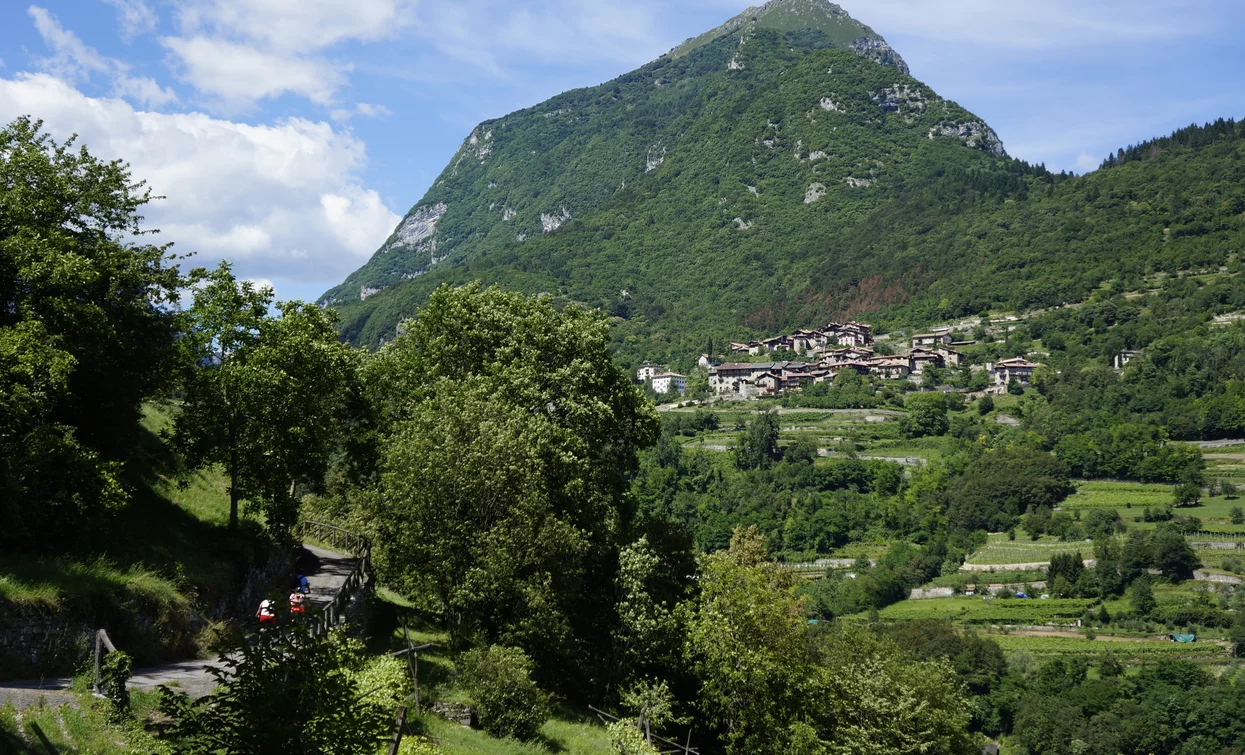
(336,538)
(102,642)
(334,612)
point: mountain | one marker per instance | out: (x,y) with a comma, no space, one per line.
(781,170)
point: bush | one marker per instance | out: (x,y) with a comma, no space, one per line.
(985,405)
(626,739)
(508,702)
(114,672)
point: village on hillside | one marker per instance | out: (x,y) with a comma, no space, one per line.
(826,352)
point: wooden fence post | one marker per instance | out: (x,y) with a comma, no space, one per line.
(398,728)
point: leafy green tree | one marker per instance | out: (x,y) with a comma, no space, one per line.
(267,397)
(1066,565)
(648,632)
(1141,595)
(506,437)
(508,702)
(1107,567)
(1173,555)
(746,640)
(876,699)
(87,332)
(927,415)
(985,405)
(1237,634)
(283,692)
(1237,515)
(803,450)
(1003,484)
(758,447)
(1187,494)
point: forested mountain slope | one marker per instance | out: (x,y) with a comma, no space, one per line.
(763,177)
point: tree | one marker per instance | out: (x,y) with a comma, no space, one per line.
(648,633)
(1237,515)
(803,450)
(1187,494)
(746,640)
(1173,555)
(985,405)
(505,439)
(1141,595)
(266,397)
(87,332)
(283,692)
(927,415)
(876,699)
(1066,565)
(508,702)
(1003,484)
(758,447)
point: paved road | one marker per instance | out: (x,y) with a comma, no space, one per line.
(1221,443)
(326,572)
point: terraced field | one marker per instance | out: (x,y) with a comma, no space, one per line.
(1118,495)
(1127,650)
(1000,550)
(977,610)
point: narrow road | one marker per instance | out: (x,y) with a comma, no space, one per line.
(326,572)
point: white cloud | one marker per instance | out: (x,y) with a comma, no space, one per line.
(1053,24)
(71,58)
(373,111)
(239,74)
(365,109)
(243,51)
(134,17)
(74,60)
(560,31)
(296,25)
(1086,162)
(285,201)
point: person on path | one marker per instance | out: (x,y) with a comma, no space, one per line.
(296,604)
(266,615)
(304,586)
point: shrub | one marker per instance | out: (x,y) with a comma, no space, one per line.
(114,672)
(985,405)
(1237,515)
(508,702)
(626,739)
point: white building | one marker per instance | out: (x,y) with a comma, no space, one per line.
(648,372)
(1124,357)
(669,381)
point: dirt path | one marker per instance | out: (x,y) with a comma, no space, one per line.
(326,572)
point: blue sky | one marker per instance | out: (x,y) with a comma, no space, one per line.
(291,135)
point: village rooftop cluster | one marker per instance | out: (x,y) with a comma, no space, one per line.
(826,352)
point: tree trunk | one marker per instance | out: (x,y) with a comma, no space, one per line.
(233,487)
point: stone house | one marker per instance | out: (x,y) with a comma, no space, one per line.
(931,339)
(1017,367)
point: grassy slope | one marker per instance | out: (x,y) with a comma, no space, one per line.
(167,557)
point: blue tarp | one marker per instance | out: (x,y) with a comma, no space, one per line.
(1183,637)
